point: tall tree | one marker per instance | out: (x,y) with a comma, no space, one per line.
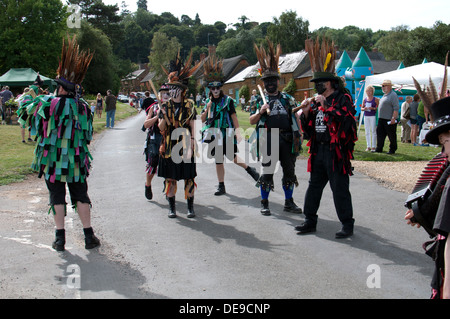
(102,73)
(163,50)
(290,31)
(142,4)
(31,34)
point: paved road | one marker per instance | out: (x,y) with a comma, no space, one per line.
(228,251)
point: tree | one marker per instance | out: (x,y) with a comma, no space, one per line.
(102,73)
(290,31)
(291,87)
(31,34)
(142,4)
(163,50)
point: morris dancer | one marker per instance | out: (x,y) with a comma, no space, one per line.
(276,115)
(177,117)
(63,125)
(220,113)
(153,140)
(432,210)
(329,125)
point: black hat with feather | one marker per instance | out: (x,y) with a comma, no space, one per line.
(438,104)
(322,57)
(179,73)
(73,65)
(268,60)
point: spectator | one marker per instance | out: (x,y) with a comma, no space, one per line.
(99,107)
(198,99)
(387,118)
(405,120)
(110,108)
(413,118)
(370,105)
(147,102)
(242,101)
(5,96)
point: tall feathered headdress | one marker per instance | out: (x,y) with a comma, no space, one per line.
(213,71)
(179,72)
(268,61)
(322,57)
(429,95)
(73,64)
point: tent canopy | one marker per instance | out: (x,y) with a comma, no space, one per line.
(24,77)
(404,77)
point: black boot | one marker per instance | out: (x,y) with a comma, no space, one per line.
(148,192)
(190,204)
(220,189)
(90,240)
(253,173)
(172,212)
(60,240)
(289,206)
(265,207)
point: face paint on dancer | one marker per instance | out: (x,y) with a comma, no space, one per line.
(175,92)
(271,85)
(215,91)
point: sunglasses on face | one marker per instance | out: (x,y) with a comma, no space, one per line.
(215,88)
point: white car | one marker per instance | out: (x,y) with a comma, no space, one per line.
(122,98)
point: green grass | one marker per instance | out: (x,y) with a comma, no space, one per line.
(405,152)
(16,157)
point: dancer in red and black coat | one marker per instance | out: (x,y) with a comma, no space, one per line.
(330,126)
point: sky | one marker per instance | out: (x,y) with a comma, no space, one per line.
(382,15)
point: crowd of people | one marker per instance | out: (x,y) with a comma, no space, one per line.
(327,121)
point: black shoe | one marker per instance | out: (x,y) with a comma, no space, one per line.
(220,190)
(305,228)
(60,240)
(289,206)
(390,153)
(148,192)
(265,207)
(253,173)
(190,203)
(344,233)
(172,212)
(90,241)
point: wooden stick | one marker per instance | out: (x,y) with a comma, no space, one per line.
(263,98)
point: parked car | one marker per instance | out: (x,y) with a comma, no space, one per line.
(123,98)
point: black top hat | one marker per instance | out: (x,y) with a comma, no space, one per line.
(440,111)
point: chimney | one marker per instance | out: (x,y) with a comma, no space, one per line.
(212,50)
(202,56)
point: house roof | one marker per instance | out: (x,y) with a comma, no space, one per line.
(133,75)
(287,63)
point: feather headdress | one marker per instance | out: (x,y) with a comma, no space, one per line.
(213,71)
(268,61)
(179,72)
(73,64)
(322,57)
(429,95)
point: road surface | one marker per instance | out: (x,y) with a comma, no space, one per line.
(229,251)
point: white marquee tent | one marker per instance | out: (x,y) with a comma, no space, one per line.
(404,77)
